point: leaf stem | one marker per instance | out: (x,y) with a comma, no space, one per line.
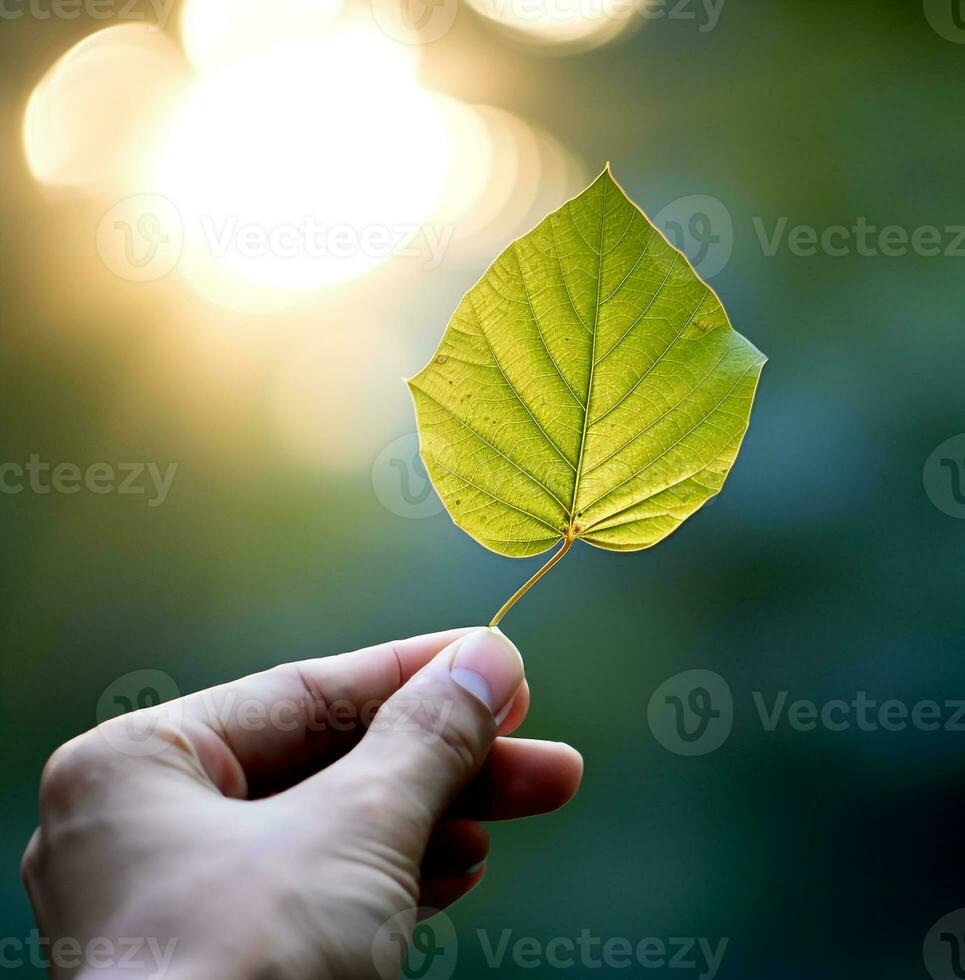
(530,582)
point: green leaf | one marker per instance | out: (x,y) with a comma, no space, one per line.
(589,387)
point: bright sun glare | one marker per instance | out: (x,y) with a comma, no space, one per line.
(217,33)
(285,147)
(282,148)
(306,166)
(304,155)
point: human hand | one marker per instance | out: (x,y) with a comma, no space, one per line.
(253,832)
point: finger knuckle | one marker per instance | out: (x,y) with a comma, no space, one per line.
(68,772)
(370,801)
(30,861)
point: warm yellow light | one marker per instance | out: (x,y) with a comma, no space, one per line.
(306,167)
(470,161)
(526,174)
(217,33)
(573,25)
(99,116)
(334,398)
(299,153)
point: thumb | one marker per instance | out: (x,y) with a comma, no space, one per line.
(429,740)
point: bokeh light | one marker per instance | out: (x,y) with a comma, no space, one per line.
(305,167)
(285,150)
(562,26)
(218,33)
(528,173)
(99,117)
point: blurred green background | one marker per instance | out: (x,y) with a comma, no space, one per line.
(824,569)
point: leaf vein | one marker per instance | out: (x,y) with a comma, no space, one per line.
(495,496)
(530,476)
(539,330)
(512,387)
(673,445)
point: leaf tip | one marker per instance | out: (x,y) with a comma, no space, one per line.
(606,176)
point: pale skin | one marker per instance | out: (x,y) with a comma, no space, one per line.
(279,843)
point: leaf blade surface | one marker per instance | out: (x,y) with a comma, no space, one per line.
(589,386)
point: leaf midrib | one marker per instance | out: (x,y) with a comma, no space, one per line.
(572,531)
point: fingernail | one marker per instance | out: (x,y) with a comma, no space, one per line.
(489,666)
(474,868)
